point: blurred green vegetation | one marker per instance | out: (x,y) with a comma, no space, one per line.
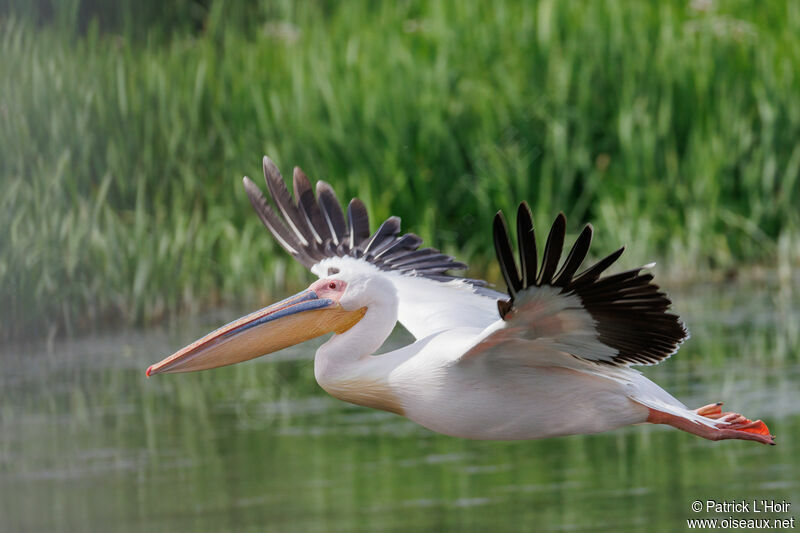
(124,132)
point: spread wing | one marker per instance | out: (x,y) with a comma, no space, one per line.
(316,231)
(620,319)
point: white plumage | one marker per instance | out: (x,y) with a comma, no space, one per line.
(551,359)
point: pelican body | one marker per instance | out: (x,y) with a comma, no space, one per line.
(553,357)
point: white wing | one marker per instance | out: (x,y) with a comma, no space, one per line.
(316,232)
(427,306)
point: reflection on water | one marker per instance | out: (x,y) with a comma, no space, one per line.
(88,443)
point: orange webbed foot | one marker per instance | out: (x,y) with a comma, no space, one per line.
(726,426)
(732,423)
(712,410)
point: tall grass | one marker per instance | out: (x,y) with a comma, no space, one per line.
(673,127)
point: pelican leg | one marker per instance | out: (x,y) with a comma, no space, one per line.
(732,426)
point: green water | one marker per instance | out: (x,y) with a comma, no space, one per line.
(87,443)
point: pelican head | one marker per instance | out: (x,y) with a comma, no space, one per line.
(327,305)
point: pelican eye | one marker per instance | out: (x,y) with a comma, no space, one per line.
(332,285)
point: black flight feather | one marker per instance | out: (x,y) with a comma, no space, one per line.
(313,227)
(629,311)
(505,256)
(594,271)
(400,261)
(358,220)
(552,249)
(272,221)
(576,256)
(401,245)
(332,211)
(307,203)
(527,244)
(291,214)
(383,236)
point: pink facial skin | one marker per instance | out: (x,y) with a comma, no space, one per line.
(332,289)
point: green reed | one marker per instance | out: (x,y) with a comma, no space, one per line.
(673,128)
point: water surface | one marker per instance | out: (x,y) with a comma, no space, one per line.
(88,443)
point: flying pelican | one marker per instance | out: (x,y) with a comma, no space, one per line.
(552,358)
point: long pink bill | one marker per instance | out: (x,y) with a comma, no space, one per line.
(302,317)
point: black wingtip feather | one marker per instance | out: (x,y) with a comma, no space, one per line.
(295,220)
(628,309)
(312,227)
(552,249)
(594,271)
(505,256)
(358,220)
(332,211)
(526,241)
(307,204)
(576,256)
(286,238)
(383,236)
